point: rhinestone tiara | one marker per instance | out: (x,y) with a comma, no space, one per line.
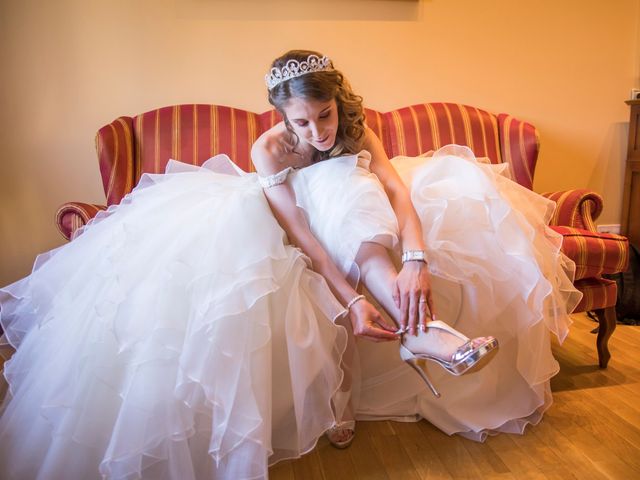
(294,68)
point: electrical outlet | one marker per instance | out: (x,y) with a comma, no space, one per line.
(635,94)
(611,228)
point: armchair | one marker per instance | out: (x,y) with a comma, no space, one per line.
(131,146)
(595,254)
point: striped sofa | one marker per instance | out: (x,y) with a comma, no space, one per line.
(131,146)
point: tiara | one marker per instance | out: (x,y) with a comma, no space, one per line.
(294,68)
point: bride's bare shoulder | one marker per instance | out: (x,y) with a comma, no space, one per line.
(273,151)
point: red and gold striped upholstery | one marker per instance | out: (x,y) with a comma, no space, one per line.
(519,144)
(268,119)
(115,147)
(376,122)
(419,128)
(193,134)
(129,147)
(598,294)
(576,208)
(73,215)
(502,138)
(594,253)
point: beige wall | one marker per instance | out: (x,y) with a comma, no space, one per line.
(69,67)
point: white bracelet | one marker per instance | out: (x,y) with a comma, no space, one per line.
(414,255)
(355,299)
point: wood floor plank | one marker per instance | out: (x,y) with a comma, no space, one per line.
(486,460)
(397,464)
(606,435)
(571,457)
(561,473)
(451,452)
(543,455)
(363,451)
(309,467)
(516,459)
(336,464)
(282,471)
(418,448)
(610,405)
(616,469)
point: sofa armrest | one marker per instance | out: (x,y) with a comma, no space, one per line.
(73,215)
(576,208)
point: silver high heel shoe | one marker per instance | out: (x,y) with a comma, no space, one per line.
(470,356)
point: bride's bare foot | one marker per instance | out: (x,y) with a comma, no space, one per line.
(341,436)
(434,342)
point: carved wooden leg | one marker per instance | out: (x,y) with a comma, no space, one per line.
(607,324)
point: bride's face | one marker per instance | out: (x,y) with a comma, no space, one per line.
(315,122)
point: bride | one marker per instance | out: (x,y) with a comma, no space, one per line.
(205,326)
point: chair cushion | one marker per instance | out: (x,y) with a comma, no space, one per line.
(594,253)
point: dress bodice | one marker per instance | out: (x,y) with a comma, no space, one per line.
(361,159)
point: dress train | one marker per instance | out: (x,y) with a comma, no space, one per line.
(178,336)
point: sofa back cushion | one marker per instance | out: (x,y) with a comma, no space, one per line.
(419,128)
(192,134)
(131,146)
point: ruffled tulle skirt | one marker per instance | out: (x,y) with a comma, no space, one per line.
(176,337)
(179,336)
(496,270)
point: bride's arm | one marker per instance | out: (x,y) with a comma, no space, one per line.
(366,320)
(413,279)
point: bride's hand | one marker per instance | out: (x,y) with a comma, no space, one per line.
(368,323)
(412,295)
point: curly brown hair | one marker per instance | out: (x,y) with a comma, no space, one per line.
(323,86)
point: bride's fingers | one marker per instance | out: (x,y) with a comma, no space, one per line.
(404,311)
(423,313)
(429,303)
(376,333)
(382,323)
(414,313)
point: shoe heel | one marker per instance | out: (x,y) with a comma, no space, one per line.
(410,359)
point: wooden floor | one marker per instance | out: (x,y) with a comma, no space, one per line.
(592,431)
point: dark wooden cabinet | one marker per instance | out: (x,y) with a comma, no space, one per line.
(631,198)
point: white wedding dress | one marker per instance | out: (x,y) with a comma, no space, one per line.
(180,337)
